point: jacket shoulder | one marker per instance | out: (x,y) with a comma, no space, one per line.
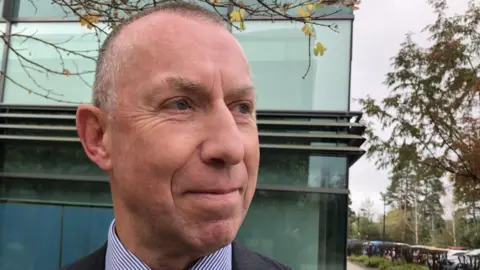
(93,261)
(246,259)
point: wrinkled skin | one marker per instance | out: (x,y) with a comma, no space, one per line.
(181,147)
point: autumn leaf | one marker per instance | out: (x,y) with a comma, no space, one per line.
(308,30)
(319,49)
(89,19)
(304,13)
(309,6)
(67,72)
(115,14)
(237,15)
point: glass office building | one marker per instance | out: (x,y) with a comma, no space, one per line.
(55,205)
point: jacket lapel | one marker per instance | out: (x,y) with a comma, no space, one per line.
(94,261)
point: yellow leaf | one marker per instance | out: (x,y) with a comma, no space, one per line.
(308,30)
(89,19)
(237,15)
(303,13)
(319,49)
(67,72)
(309,6)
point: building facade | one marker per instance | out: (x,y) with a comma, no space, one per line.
(55,205)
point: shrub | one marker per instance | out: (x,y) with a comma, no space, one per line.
(385,264)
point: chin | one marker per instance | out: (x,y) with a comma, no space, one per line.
(215,235)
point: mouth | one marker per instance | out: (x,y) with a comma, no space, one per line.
(216,195)
(215,192)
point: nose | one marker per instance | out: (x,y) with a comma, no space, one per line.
(223,144)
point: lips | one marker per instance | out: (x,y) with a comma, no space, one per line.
(215,191)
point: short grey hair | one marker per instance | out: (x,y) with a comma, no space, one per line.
(111,59)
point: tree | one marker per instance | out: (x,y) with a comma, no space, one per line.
(101,16)
(431,112)
(416,192)
(351,219)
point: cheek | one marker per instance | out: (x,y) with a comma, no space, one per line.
(148,160)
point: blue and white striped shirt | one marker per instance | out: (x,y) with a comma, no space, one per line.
(119,258)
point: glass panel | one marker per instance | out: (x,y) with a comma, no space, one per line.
(279,167)
(84,230)
(47,8)
(304,231)
(3,28)
(71,47)
(29,236)
(52,158)
(293,168)
(332,10)
(278,56)
(41,8)
(56,191)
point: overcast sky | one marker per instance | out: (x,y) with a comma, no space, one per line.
(379,28)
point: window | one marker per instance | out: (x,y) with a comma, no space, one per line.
(333,10)
(278,56)
(2,31)
(277,167)
(47,71)
(301,169)
(56,192)
(41,8)
(84,230)
(305,231)
(46,8)
(48,158)
(35,236)
(30,236)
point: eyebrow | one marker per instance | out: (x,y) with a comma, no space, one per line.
(185,85)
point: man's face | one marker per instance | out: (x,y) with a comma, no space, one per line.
(183,139)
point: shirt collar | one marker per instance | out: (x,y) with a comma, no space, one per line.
(119,258)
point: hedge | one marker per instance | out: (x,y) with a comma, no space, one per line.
(384,264)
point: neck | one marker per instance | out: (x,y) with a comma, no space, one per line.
(164,256)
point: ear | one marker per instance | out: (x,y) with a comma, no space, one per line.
(92,130)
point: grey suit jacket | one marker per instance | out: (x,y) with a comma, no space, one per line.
(242,259)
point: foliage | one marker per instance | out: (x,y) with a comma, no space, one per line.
(432,112)
(363,225)
(351,219)
(416,191)
(384,264)
(101,16)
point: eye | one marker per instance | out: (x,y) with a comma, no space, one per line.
(244,108)
(180,104)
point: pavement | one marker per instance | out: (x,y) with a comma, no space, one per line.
(351,266)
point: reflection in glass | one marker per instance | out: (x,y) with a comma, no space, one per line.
(29,236)
(49,158)
(63,71)
(279,167)
(56,191)
(278,56)
(47,8)
(84,230)
(305,231)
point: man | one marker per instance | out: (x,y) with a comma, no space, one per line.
(173,124)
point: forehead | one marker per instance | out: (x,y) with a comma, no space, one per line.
(167,44)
